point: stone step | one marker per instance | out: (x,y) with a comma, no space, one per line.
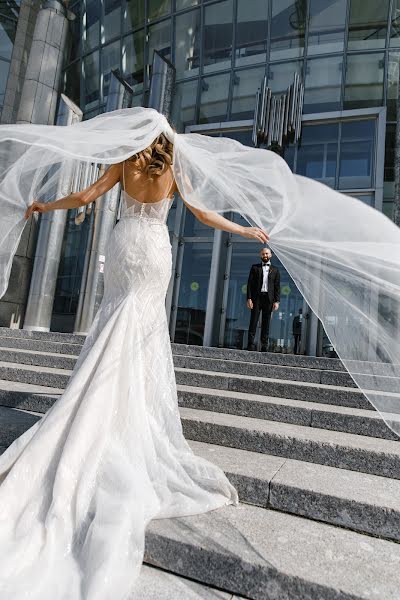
(335,395)
(33,345)
(271,358)
(284,410)
(154,584)
(263,554)
(278,388)
(300,412)
(50,336)
(349,499)
(66,361)
(331,448)
(364,503)
(256,369)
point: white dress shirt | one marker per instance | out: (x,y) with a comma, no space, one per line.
(265,269)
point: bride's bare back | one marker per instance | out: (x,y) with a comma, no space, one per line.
(139,186)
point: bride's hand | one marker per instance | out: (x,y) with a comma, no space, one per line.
(255,233)
(39,207)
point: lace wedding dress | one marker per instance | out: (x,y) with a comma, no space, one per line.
(80,486)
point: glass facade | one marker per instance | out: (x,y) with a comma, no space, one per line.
(347,53)
(9,12)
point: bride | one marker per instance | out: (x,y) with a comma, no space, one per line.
(78,489)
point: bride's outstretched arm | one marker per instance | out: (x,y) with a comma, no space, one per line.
(217,221)
(86,196)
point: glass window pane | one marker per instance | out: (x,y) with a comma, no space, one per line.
(395,24)
(195,228)
(368,24)
(132,59)
(7,36)
(317,154)
(390,143)
(91,77)
(364,81)
(214,98)
(357,151)
(245,85)
(392,85)
(184,104)
(4,68)
(76,36)
(91,25)
(287,28)
(193,291)
(187,44)
(218,36)
(158,8)
(110,60)
(72,81)
(280,75)
(160,40)
(368,198)
(112,20)
(251,32)
(323,84)
(326,26)
(134,14)
(181,4)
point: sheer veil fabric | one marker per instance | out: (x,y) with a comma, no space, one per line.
(342,255)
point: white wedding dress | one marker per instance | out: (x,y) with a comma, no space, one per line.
(79,487)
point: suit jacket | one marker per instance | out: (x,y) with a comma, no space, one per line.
(255,282)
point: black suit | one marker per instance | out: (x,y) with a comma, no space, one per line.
(262,301)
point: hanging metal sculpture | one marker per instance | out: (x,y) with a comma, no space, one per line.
(277,119)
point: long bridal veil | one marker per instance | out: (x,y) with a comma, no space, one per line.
(343,255)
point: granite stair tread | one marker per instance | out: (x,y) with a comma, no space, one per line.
(332,448)
(265,554)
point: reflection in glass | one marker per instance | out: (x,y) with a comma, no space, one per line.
(392,85)
(76,36)
(368,24)
(357,152)
(323,84)
(91,25)
(134,14)
(390,144)
(184,104)
(71,82)
(214,98)
(245,85)
(287,28)
(91,80)
(110,60)
(112,20)
(280,75)
(4,68)
(395,24)
(218,24)
(181,4)
(244,254)
(193,292)
(158,8)
(317,154)
(364,80)
(187,44)
(160,40)
(251,32)
(132,59)
(326,26)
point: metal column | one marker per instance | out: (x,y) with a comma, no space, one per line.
(119,96)
(49,244)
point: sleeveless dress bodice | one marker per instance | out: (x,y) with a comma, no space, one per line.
(152,212)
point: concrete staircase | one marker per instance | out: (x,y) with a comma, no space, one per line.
(317,471)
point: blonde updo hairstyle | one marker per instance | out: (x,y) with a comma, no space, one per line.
(154,160)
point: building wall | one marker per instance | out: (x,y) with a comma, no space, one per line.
(347,52)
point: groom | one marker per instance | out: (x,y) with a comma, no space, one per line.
(263,294)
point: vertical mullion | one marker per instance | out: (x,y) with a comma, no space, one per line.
(231,80)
